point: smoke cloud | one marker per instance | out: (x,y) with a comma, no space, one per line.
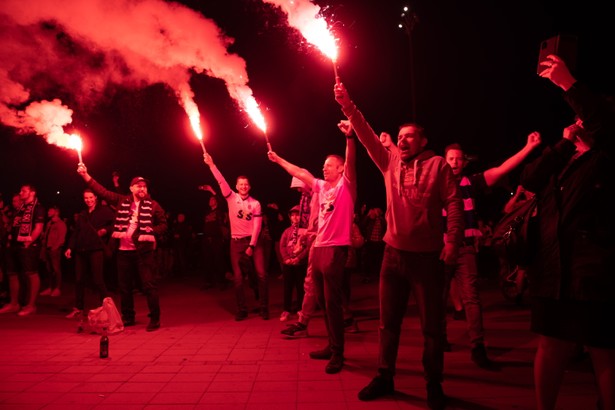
(306,17)
(78,50)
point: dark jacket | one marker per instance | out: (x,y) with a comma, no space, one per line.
(85,235)
(159,219)
(576,247)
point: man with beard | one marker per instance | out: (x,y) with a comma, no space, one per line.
(139,221)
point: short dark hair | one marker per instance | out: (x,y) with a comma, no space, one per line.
(455,146)
(30,186)
(337,157)
(414,125)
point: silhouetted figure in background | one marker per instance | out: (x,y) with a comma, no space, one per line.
(54,237)
(215,238)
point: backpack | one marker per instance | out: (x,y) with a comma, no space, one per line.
(513,234)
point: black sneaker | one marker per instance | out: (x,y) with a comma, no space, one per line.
(459,315)
(324,354)
(152,325)
(335,364)
(295,330)
(351,326)
(435,396)
(479,356)
(241,315)
(378,387)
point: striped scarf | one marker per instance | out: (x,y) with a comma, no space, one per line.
(469,212)
(304,215)
(145,224)
(25,222)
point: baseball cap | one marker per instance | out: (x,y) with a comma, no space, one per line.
(136,180)
(296,209)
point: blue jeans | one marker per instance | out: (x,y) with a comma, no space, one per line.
(465,275)
(421,273)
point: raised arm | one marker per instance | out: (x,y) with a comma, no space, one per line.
(303,174)
(351,150)
(492,175)
(225,188)
(101,191)
(556,70)
(378,153)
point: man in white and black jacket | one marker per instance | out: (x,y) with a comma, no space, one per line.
(139,221)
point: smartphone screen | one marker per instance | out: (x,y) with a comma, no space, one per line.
(562,45)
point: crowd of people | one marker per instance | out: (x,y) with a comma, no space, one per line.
(425,243)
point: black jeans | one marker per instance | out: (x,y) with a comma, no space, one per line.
(137,263)
(92,262)
(328,275)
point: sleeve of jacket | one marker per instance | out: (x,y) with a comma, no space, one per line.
(449,191)
(61,233)
(536,174)
(377,152)
(160,220)
(72,239)
(286,235)
(107,219)
(597,113)
(110,196)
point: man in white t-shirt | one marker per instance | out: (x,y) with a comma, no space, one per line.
(336,194)
(246,220)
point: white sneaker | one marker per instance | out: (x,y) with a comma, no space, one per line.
(27,310)
(74,314)
(46,292)
(10,308)
(55,293)
(284,316)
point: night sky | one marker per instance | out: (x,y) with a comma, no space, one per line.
(475,77)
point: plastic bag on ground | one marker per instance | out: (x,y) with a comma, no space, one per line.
(106,316)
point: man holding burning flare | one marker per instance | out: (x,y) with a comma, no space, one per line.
(246,220)
(419,185)
(139,221)
(336,194)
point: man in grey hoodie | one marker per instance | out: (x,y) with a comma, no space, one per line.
(419,185)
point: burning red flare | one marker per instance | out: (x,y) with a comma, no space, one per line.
(186,99)
(306,17)
(75,142)
(253,110)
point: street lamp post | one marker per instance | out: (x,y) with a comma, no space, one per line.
(408,21)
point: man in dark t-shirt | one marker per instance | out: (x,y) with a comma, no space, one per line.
(24,250)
